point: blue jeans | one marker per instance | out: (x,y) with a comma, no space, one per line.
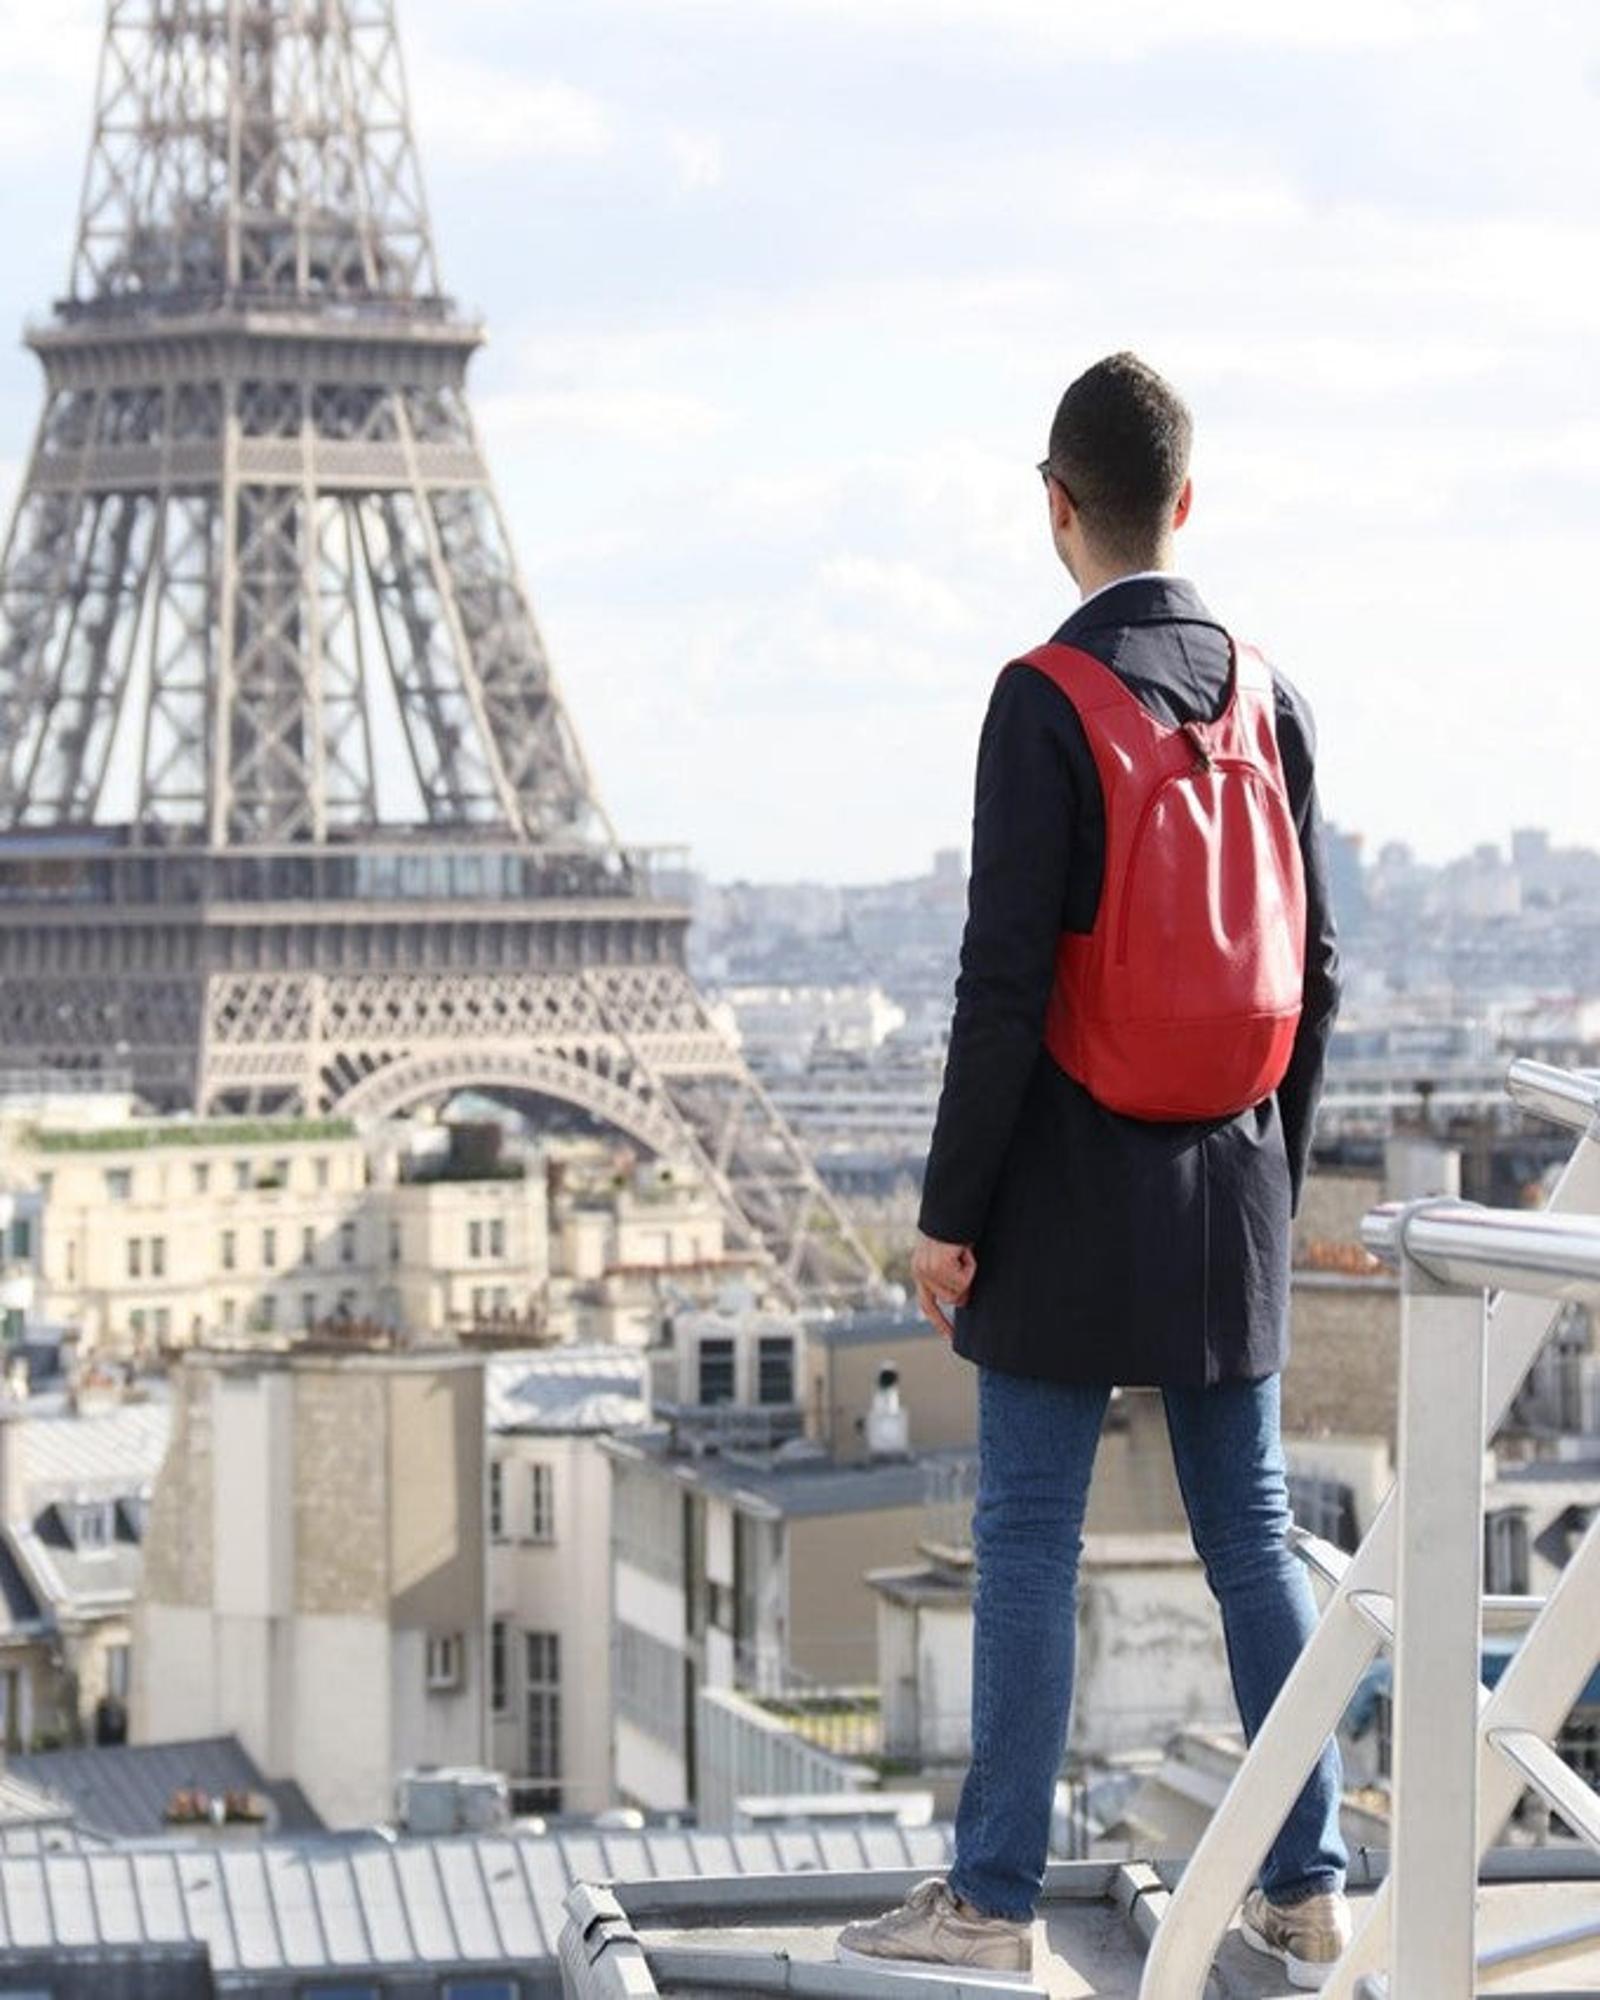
(1037,1443)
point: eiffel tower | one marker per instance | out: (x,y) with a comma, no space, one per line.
(292,815)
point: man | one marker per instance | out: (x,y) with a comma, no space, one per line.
(1066,1247)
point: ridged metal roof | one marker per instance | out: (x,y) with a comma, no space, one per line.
(566,1389)
(367,1905)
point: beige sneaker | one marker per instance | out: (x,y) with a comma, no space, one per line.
(1309,1937)
(934,1931)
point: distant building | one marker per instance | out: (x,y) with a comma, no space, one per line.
(549,1560)
(75,1486)
(315,1569)
(162,1232)
(624,1234)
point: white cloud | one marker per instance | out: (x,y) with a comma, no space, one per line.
(647,418)
(1133,29)
(480,115)
(47,63)
(697,159)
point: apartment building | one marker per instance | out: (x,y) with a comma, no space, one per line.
(76,1475)
(155,1234)
(624,1233)
(315,1565)
(549,1523)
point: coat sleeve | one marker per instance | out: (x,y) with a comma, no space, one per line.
(1301,1090)
(1022,823)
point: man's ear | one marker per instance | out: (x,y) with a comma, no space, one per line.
(1061,509)
(1180,512)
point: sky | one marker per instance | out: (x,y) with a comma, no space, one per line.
(781,295)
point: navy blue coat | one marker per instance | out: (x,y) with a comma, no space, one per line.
(1110,1249)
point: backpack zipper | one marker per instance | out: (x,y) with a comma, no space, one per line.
(1207,765)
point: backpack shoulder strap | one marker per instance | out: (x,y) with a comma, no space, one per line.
(1251,669)
(1085,681)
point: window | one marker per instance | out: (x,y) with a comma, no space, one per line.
(541,1502)
(280,1172)
(163,1323)
(96,1526)
(542,1691)
(136,1323)
(716,1371)
(308,1309)
(308,1245)
(322,1173)
(135,1258)
(201,1175)
(1505,1552)
(119,1184)
(22,1237)
(1325,1507)
(497,1236)
(347,1243)
(444,1661)
(394,1242)
(474,1239)
(241,1176)
(497,1500)
(479,1989)
(267,1313)
(499,1696)
(117,1672)
(229,1250)
(72,1260)
(158,1256)
(269,1249)
(775,1369)
(228,1310)
(648,1681)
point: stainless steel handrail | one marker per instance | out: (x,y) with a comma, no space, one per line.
(1470,1248)
(1563,1096)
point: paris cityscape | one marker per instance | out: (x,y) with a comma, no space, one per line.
(469,1448)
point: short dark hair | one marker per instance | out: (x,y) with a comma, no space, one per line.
(1120,446)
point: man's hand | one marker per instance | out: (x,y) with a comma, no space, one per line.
(942,1274)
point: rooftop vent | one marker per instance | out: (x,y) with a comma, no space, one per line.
(888,1427)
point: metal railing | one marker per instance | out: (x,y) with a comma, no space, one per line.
(1481,1290)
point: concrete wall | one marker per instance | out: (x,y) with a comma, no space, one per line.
(832,1612)
(938,1391)
(317,1520)
(1343,1372)
(563,1587)
(1150,1651)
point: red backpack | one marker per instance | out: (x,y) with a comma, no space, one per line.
(1183,1001)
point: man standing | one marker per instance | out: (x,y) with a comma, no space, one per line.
(1108,1196)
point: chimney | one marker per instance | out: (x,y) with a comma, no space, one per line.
(888,1429)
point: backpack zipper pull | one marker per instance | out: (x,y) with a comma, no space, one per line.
(1195,738)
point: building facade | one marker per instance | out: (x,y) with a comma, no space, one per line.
(159,1233)
(315,1569)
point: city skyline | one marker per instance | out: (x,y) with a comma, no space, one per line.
(771,368)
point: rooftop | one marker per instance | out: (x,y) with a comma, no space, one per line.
(122,1791)
(776,1934)
(566,1389)
(378,1909)
(799,1482)
(143,1135)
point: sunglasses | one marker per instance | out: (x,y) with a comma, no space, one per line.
(1045,473)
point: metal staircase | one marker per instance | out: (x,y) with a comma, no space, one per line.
(1480,1292)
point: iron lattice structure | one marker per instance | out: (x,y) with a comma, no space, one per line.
(292,816)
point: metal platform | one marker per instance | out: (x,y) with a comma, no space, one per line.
(775,1934)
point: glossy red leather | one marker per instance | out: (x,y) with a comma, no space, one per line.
(1183,1001)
